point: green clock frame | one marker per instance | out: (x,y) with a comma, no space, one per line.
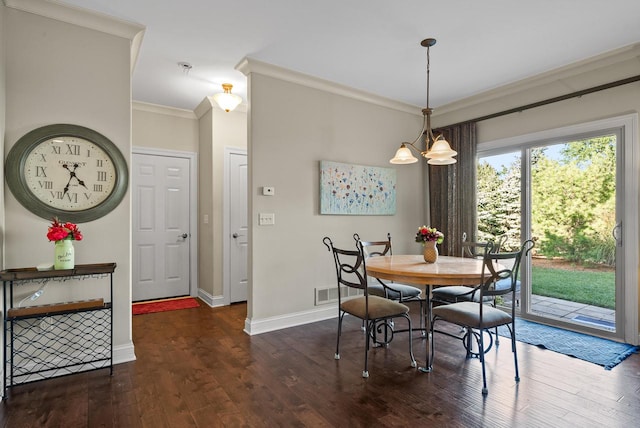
(16,180)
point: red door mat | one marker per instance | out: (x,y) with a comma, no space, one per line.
(163,305)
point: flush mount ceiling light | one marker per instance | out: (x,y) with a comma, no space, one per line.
(226,100)
(440,152)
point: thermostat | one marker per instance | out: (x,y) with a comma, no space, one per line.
(268,191)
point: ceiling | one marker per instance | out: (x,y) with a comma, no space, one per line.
(371,45)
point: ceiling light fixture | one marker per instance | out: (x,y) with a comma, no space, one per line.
(440,152)
(226,100)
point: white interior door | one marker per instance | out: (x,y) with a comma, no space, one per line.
(238,227)
(161,232)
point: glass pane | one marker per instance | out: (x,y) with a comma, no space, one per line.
(499,206)
(573,202)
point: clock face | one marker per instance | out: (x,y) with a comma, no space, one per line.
(67,171)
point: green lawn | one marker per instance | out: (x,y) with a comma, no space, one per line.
(591,288)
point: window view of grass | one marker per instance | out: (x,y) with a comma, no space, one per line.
(572,211)
(588,287)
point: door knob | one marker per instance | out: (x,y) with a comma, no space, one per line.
(183,236)
(235,235)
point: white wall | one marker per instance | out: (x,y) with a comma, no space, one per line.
(63,73)
(165,128)
(292,127)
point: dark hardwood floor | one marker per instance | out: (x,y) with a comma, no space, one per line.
(196,368)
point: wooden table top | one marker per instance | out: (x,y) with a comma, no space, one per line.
(412,269)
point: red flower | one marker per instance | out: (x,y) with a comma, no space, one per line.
(426,234)
(58,231)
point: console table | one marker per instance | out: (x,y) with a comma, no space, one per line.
(57,339)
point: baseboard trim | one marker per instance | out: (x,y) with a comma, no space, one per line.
(264,325)
(124,353)
(209,299)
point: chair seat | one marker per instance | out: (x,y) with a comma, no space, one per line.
(456,293)
(504,284)
(379,307)
(468,314)
(394,291)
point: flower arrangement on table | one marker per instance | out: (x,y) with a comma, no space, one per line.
(428,234)
(59,231)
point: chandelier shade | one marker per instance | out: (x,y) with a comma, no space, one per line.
(226,100)
(404,156)
(437,149)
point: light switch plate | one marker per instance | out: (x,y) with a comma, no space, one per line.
(266,219)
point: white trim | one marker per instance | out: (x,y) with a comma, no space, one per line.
(265,325)
(209,299)
(250,65)
(226,234)
(123,353)
(78,16)
(159,109)
(543,80)
(193,212)
(85,18)
(629,123)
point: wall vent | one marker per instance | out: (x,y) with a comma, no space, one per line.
(330,294)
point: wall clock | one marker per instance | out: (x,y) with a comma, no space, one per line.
(67,171)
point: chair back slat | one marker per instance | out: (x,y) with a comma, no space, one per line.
(375,248)
(350,266)
(491,275)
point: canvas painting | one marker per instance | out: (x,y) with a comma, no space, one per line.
(356,189)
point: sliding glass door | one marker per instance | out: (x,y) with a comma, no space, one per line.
(565,195)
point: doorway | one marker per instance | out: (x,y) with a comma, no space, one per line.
(164,238)
(236,226)
(569,192)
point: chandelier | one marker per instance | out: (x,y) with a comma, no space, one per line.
(440,152)
(226,100)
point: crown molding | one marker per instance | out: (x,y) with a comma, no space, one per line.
(208,104)
(84,18)
(160,109)
(249,65)
(553,77)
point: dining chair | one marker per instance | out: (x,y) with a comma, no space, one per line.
(478,318)
(390,289)
(351,272)
(463,293)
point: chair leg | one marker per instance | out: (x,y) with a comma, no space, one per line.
(337,354)
(432,336)
(413,360)
(512,330)
(423,315)
(365,372)
(485,391)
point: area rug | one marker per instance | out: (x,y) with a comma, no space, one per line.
(603,352)
(164,305)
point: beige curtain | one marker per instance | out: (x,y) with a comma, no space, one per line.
(452,190)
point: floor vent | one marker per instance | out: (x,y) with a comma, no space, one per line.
(330,294)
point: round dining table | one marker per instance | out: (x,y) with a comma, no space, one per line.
(413,270)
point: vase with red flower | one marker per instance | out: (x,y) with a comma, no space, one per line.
(63,234)
(429,237)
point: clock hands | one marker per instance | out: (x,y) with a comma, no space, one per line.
(72,175)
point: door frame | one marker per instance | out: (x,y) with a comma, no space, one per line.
(630,217)
(193,202)
(226,232)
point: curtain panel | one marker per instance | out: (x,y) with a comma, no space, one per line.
(452,190)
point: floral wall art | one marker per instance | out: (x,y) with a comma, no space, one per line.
(356,189)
